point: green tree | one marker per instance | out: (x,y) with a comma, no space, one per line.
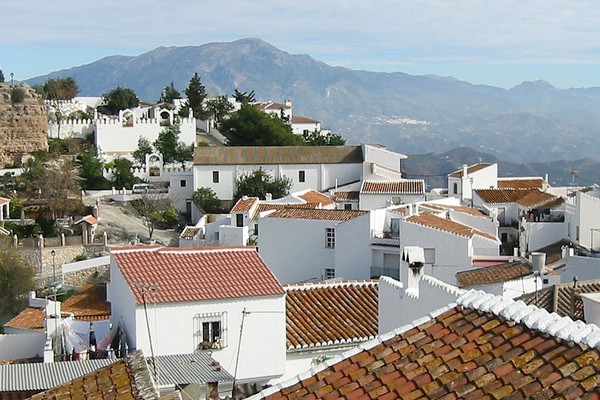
(144,147)
(60,89)
(170,147)
(316,138)
(218,108)
(259,183)
(243,97)
(120,98)
(16,280)
(169,94)
(91,170)
(196,93)
(1,76)
(206,200)
(156,211)
(123,174)
(251,127)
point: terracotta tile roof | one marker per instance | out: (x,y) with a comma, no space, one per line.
(262,207)
(271,105)
(189,232)
(238,155)
(31,318)
(90,219)
(398,210)
(493,274)
(185,275)
(494,196)
(412,186)
(346,196)
(448,225)
(563,299)
(299,119)
(486,347)
(516,183)
(244,204)
(470,169)
(324,215)
(536,198)
(4,200)
(312,196)
(127,378)
(329,314)
(89,304)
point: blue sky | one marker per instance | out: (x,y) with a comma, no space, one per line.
(495,43)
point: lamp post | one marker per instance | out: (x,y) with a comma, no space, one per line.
(53,252)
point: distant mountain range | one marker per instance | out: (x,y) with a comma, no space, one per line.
(531,122)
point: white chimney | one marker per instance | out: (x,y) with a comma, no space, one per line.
(538,261)
(465,170)
(268,196)
(415,257)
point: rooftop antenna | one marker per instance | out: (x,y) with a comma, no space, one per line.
(574,176)
(146,289)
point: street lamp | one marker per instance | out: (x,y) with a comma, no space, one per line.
(53,252)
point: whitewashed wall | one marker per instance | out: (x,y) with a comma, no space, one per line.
(27,345)
(452,252)
(295,249)
(317,176)
(111,136)
(122,303)
(397,308)
(382,157)
(535,235)
(483,223)
(372,201)
(76,128)
(352,248)
(584,268)
(262,348)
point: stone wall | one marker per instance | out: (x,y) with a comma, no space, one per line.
(22,125)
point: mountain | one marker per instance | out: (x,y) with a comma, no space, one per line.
(434,168)
(533,121)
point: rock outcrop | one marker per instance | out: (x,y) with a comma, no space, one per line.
(23,124)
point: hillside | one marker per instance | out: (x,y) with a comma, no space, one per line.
(533,121)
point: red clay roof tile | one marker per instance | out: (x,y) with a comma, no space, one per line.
(324,215)
(184,275)
(470,169)
(329,313)
(240,155)
(412,186)
(447,225)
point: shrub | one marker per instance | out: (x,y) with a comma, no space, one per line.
(17,95)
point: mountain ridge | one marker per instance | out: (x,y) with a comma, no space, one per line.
(370,106)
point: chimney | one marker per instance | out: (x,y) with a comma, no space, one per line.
(415,257)
(268,196)
(465,170)
(538,261)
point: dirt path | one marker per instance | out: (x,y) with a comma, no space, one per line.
(122,225)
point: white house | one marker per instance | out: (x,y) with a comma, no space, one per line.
(380,194)
(244,216)
(314,244)
(4,208)
(583,219)
(462,182)
(309,167)
(222,300)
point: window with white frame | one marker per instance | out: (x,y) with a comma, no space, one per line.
(330,238)
(215,176)
(329,273)
(301,176)
(210,331)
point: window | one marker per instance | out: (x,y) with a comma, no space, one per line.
(329,273)
(395,227)
(429,256)
(347,206)
(256,229)
(577,233)
(455,188)
(215,176)
(183,183)
(210,331)
(301,176)
(396,200)
(330,238)
(239,220)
